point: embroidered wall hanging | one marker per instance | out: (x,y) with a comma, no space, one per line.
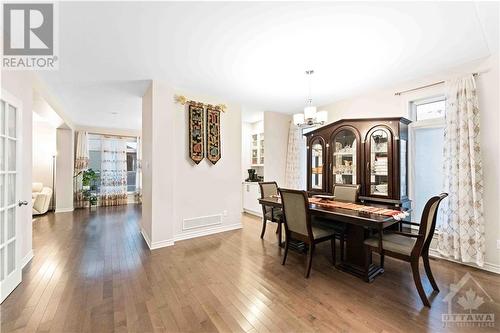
(196,132)
(213,134)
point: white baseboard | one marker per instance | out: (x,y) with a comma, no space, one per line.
(251,212)
(206,231)
(27,258)
(64,210)
(490,267)
(163,243)
(155,245)
(146,238)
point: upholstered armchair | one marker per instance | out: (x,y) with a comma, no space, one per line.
(40,197)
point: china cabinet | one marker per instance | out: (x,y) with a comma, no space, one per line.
(368,152)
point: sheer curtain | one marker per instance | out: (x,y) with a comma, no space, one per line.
(81,164)
(295,159)
(462,226)
(113,172)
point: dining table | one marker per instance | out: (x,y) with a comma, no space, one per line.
(360,225)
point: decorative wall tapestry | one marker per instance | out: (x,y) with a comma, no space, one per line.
(196,132)
(213,134)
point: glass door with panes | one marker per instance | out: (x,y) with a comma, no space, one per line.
(379,165)
(317,161)
(345,162)
(10,267)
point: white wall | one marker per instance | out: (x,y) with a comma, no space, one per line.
(64,170)
(383,103)
(276,128)
(19,84)
(44,147)
(147,158)
(179,188)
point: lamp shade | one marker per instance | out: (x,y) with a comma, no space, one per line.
(298,118)
(310,112)
(321,116)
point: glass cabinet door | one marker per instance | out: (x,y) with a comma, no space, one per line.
(379,162)
(317,161)
(344,163)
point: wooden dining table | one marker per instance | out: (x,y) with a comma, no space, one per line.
(359,226)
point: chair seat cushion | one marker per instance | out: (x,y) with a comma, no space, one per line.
(275,214)
(319,232)
(337,227)
(394,243)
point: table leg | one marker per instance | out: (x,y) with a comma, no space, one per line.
(356,261)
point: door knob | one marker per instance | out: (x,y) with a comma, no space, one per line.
(23,203)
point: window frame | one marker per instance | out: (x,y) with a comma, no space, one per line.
(412,127)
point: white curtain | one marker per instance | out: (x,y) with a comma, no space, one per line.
(295,159)
(81,164)
(82,152)
(113,172)
(462,226)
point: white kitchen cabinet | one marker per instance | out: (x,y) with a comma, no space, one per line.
(251,195)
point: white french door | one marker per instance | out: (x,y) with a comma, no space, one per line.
(10,180)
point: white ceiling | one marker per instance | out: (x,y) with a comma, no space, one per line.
(255,53)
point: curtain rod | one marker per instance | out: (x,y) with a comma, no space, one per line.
(113,135)
(426,86)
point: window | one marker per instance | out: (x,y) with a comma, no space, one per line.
(427,139)
(95,161)
(429,109)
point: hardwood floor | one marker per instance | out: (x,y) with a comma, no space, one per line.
(92,272)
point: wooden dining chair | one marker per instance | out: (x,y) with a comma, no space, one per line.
(298,225)
(344,192)
(272,214)
(409,246)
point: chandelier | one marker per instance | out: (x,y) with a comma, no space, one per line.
(310,116)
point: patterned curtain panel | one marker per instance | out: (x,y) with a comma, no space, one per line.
(295,159)
(81,164)
(462,226)
(113,190)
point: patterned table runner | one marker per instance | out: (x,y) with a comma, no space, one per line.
(396,214)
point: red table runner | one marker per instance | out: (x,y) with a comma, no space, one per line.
(396,214)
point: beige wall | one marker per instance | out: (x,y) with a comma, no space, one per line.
(44,147)
(179,188)
(276,128)
(383,103)
(64,170)
(19,84)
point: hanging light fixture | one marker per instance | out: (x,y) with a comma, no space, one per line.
(310,116)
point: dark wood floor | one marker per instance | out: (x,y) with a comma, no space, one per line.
(92,272)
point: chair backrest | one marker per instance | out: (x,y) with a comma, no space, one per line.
(268,188)
(428,220)
(296,211)
(346,192)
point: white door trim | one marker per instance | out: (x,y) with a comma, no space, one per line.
(12,280)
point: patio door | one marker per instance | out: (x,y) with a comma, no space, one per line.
(10,180)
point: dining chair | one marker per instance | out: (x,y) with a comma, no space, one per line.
(298,225)
(410,246)
(346,192)
(272,214)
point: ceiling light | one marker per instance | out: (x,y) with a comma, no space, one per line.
(310,117)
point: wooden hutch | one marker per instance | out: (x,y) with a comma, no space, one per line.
(370,152)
